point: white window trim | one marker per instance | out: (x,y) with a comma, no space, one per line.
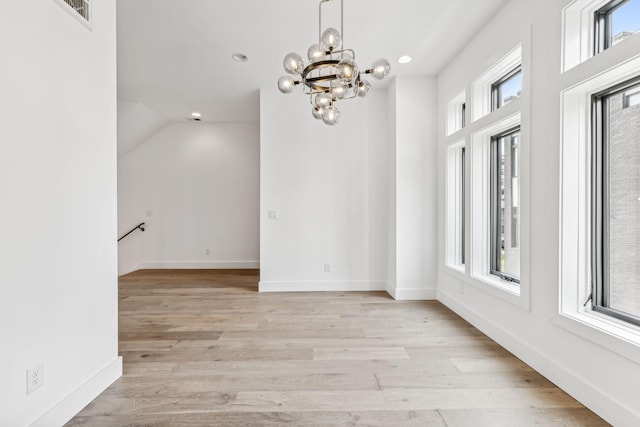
(453,214)
(482,86)
(575,221)
(454,113)
(479,158)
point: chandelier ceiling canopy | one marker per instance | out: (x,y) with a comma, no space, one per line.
(331,74)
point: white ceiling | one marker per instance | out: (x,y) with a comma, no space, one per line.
(174,56)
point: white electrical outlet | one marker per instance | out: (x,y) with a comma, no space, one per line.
(35,378)
(461,288)
(207,251)
(274,215)
(327,268)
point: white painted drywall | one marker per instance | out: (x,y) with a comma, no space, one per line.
(136,123)
(329,187)
(413,136)
(196,186)
(391,208)
(600,378)
(58,272)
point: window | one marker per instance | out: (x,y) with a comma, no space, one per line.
(591,26)
(497,86)
(463,206)
(616,21)
(496,238)
(631,98)
(507,89)
(456,114)
(595,131)
(464,116)
(486,245)
(615,255)
(505,222)
(456,206)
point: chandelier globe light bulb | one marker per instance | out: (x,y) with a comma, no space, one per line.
(347,70)
(331,39)
(293,64)
(363,88)
(317,113)
(331,116)
(286,84)
(323,100)
(316,53)
(338,91)
(380,69)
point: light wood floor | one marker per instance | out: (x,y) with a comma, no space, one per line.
(203,348)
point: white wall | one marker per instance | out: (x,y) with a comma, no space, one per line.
(360,196)
(196,186)
(329,186)
(600,378)
(136,123)
(413,199)
(58,210)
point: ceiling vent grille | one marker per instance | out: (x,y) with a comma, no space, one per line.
(81,9)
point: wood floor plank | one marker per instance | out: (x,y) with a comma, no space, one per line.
(404,399)
(524,417)
(464,380)
(269,419)
(184,385)
(490,364)
(204,348)
(284,367)
(360,353)
(216,354)
(458,352)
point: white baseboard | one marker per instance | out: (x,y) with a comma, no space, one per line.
(414,294)
(577,386)
(391,289)
(73,403)
(410,294)
(198,265)
(323,286)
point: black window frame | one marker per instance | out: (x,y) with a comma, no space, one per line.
(463,113)
(600,169)
(603,25)
(495,224)
(496,88)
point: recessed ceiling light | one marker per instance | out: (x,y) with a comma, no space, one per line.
(239,57)
(196,116)
(405,59)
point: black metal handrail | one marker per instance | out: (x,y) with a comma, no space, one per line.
(139,226)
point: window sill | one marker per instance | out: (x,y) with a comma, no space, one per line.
(503,285)
(499,288)
(459,269)
(608,333)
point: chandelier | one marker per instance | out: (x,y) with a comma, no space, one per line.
(332,73)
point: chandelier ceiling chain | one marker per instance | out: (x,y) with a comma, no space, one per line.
(332,73)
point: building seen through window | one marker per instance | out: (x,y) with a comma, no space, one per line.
(505,205)
(616,257)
